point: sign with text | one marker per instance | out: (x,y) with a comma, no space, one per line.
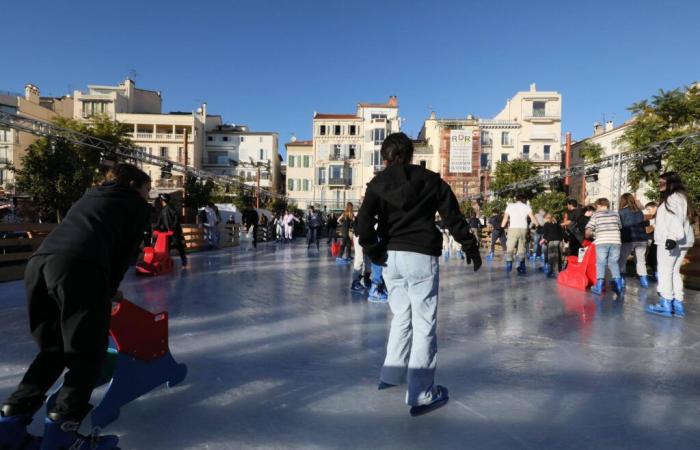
(460,151)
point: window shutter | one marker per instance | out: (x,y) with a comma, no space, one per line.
(367,159)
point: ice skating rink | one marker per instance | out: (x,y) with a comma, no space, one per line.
(282,355)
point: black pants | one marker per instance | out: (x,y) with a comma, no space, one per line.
(346,245)
(498,235)
(69,314)
(313,237)
(255,236)
(554,255)
(331,234)
(178,243)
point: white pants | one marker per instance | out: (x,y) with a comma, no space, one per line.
(288,230)
(669,267)
(358,262)
(640,252)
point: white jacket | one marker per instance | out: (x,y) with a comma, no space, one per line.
(674,226)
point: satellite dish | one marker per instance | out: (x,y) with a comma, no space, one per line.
(293,139)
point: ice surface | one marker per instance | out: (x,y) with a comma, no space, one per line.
(282,355)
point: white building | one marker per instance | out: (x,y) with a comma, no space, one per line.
(113,100)
(301,170)
(234,150)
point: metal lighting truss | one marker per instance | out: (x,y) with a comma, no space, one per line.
(106,149)
(651,152)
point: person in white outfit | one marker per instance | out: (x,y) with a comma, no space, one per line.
(288,222)
(673,234)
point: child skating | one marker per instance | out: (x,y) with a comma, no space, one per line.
(402,201)
(605,226)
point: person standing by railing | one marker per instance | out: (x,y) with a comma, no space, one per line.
(634,237)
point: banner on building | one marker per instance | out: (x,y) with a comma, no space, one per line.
(460,151)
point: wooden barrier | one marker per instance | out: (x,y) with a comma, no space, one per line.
(24,239)
(691,268)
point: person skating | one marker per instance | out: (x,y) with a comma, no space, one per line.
(673,233)
(605,226)
(552,235)
(634,237)
(71,281)
(361,266)
(288,225)
(517,214)
(314,221)
(498,233)
(402,201)
(169,220)
(345,222)
(212,225)
(250,220)
(332,227)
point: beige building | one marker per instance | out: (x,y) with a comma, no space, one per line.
(14,144)
(300,172)
(113,100)
(610,182)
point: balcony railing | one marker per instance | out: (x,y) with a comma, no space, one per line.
(544,136)
(337,157)
(4,161)
(163,137)
(554,157)
(486,142)
(378,168)
(342,181)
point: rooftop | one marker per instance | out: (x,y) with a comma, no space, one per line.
(300,143)
(336,116)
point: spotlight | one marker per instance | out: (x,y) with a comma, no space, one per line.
(166,171)
(651,165)
(591,175)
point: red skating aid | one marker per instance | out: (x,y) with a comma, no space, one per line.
(157,260)
(579,275)
(138,332)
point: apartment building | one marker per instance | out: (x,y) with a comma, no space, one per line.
(113,100)
(528,127)
(610,182)
(234,150)
(345,154)
(301,169)
(14,144)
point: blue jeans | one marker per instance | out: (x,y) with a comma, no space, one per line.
(607,255)
(376,276)
(412,280)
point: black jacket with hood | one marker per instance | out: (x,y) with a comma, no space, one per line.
(104,228)
(403,200)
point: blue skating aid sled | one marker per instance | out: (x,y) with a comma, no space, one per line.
(139,361)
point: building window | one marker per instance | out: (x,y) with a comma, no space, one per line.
(538,109)
(262,155)
(378,116)
(307,161)
(210,138)
(485,138)
(225,138)
(506,140)
(526,152)
(322,130)
(423,163)
(352,151)
(353,130)
(291,161)
(164,152)
(290,184)
(504,157)
(298,184)
(378,134)
(322,175)
(261,139)
(306,184)
(336,152)
(242,138)
(547,152)
(484,160)
(376,158)
(336,130)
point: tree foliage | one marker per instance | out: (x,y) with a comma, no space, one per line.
(667,115)
(509,172)
(199,192)
(497,204)
(56,173)
(590,151)
(551,202)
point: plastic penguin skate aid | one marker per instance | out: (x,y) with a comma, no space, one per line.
(579,275)
(157,260)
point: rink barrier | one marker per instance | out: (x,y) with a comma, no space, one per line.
(691,267)
(15,252)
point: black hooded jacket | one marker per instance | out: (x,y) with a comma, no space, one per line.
(403,200)
(104,227)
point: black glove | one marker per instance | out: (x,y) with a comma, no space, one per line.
(471,251)
(670,244)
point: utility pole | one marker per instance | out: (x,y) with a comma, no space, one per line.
(184,183)
(257,192)
(567,163)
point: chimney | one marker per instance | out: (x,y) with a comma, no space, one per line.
(31,94)
(432,115)
(597,129)
(393,101)
(609,126)
(533,87)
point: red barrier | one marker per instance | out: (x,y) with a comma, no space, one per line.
(157,260)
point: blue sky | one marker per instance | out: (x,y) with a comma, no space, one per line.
(271,64)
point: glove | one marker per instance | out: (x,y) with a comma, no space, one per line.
(670,244)
(471,251)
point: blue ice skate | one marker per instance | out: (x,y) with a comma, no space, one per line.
(521,268)
(598,288)
(14,435)
(644,281)
(62,434)
(663,308)
(377,294)
(341,261)
(489,256)
(357,286)
(509,266)
(677,309)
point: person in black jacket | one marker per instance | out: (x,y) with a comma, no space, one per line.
(332,226)
(169,220)
(251,220)
(402,201)
(552,235)
(70,282)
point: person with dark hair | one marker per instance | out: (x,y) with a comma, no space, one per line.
(649,214)
(169,220)
(552,235)
(497,232)
(673,233)
(397,230)
(212,225)
(345,221)
(517,214)
(634,237)
(331,228)
(572,223)
(314,222)
(605,226)
(71,282)
(250,220)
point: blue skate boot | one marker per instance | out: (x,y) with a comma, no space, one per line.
(13,431)
(357,286)
(341,261)
(377,294)
(509,266)
(62,434)
(663,308)
(677,307)
(489,256)
(598,288)
(618,285)
(521,268)
(446,255)
(644,281)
